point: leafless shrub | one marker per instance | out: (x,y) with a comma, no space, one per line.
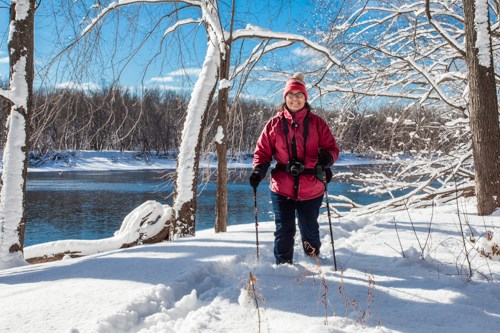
(256,296)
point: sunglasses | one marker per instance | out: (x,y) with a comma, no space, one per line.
(296,95)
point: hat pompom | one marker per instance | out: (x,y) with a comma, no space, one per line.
(299,77)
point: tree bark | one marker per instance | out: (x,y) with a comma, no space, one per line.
(221,146)
(483,108)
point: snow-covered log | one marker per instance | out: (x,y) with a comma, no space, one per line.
(148,223)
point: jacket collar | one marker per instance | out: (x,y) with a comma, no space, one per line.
(297,117)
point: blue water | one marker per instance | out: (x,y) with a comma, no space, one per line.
(92,205)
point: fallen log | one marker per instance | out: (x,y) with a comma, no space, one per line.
(146,224)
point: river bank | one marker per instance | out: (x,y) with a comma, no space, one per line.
(58,161)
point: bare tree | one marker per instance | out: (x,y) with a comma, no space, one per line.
(483,105)
(415,52)
(19,94)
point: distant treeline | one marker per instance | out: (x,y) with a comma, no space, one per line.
(119,119)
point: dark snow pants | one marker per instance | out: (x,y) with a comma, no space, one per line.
(285,211)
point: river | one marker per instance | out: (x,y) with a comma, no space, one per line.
(92,205)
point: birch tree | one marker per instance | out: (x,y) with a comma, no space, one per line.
(19,94)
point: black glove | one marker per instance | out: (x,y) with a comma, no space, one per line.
(325,159)
(258,173)
(255,179)
(323,174)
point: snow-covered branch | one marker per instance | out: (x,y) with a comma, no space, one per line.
(120,3)
(434,85)
(181,23)
(450,39)
(252,31)
(393,51)
(258,52)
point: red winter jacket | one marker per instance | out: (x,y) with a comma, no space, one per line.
(273,143)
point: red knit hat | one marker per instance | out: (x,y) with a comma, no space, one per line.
(296,82)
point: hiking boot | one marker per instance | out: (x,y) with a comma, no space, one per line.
(286,262)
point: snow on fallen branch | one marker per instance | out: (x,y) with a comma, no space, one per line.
(409,200)
(148,223)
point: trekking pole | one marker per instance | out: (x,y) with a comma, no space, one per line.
(256,221)
(330,221)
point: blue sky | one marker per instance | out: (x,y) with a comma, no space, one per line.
(158,62)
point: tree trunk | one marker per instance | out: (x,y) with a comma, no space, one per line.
(189,157)
(221,146)
(15,156)
(483,108)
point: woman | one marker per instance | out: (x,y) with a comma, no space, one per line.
(304,149)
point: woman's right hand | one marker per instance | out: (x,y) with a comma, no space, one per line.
(255,178)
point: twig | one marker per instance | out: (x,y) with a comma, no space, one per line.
(252,280)
(463,239)
(399,239)
(422,249)
(324,295)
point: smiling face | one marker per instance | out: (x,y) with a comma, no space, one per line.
(295,101)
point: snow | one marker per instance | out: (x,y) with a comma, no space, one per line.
(225,84)
(213,282)
(219,136)
(483,36)
(12,184)
(19,88)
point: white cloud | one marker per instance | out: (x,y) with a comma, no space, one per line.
(4,60)
(78,86)
(172,80)
(186,71)
(162,79)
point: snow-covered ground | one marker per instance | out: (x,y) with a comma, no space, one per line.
(213,282)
